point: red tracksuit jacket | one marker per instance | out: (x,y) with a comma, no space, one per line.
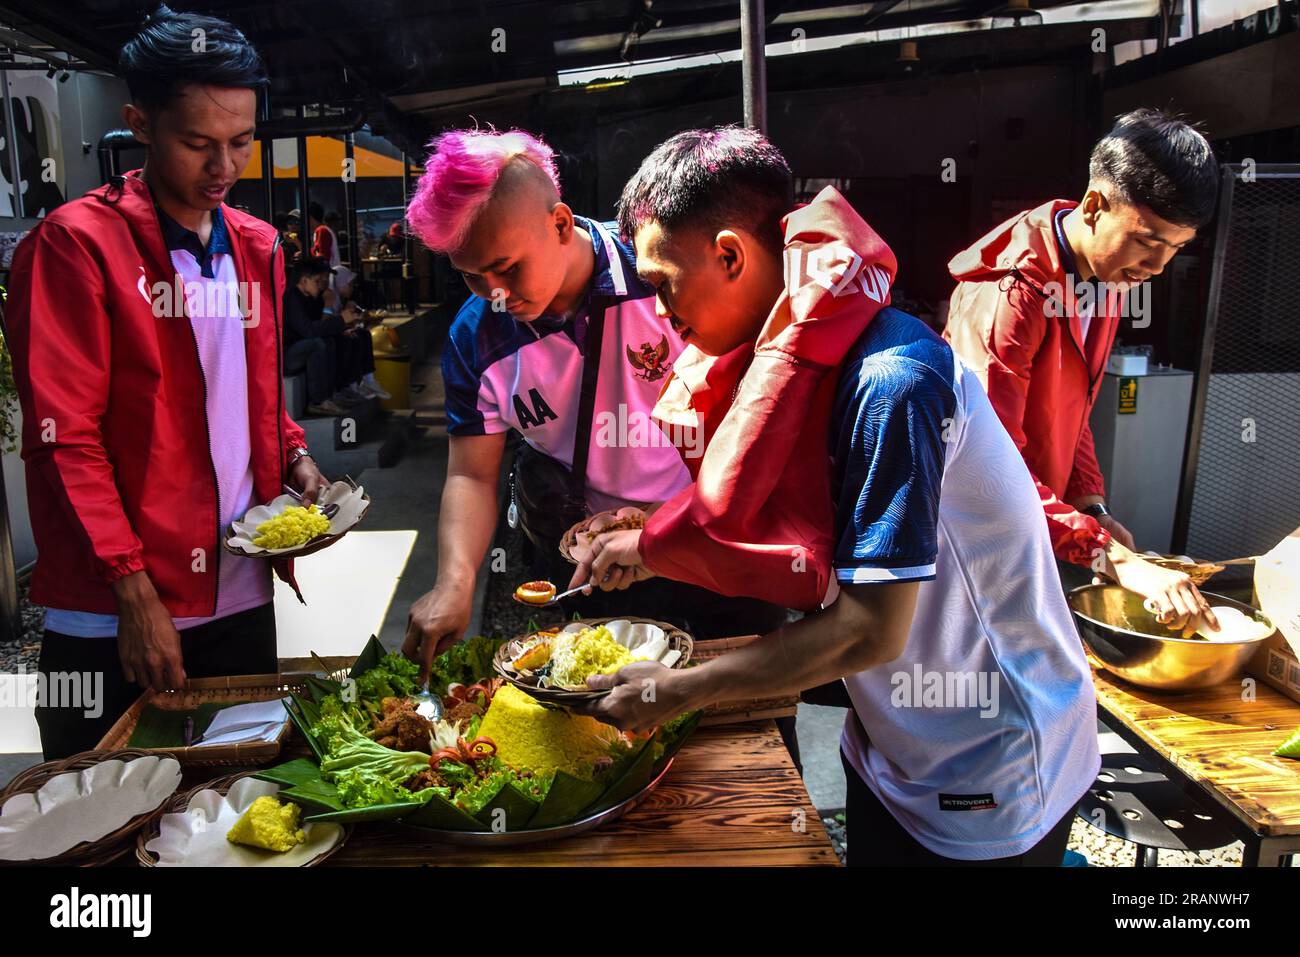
(1040,375)
(115,427)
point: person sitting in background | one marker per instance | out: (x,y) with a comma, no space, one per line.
(311,339)
(1036,308)
(356,352)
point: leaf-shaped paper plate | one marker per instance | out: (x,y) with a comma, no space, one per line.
(194,834)
(353,503)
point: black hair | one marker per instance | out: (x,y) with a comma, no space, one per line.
(1155,159)
(309,266)
(717,178)
(316,211)
(174,50)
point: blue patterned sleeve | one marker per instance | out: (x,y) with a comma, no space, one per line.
(889,456)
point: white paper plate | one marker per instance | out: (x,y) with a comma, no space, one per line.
(351,502)
(84,806)
(197,836)
(647,641)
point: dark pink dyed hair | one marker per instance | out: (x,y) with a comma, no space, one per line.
(459,175)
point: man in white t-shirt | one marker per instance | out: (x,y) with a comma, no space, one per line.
(972,734)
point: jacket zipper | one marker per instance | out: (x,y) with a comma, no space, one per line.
(279,366)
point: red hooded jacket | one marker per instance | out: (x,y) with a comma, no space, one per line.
(758,519)
(1012,322)
(115,427)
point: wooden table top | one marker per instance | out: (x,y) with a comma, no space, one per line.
(730,799)
(1219,741)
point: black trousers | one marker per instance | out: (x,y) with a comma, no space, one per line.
(239,644)
(355,358)
(876,839)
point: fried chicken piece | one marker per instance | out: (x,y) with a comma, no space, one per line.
(413,732)
(394,709)
(462,712)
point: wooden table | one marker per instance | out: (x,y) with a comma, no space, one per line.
(731,798)
(1222,747)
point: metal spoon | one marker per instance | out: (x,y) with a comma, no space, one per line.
(564,594)
(428,705)
(329,511)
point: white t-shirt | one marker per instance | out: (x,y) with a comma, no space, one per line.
(981,735)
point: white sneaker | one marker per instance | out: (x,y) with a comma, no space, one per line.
(368,382)
(350,395)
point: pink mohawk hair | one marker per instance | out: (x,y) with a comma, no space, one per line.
(459,175)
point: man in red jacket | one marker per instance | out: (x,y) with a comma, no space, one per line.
(145,327)
(1038,302)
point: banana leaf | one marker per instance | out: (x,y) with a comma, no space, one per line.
(376,812)
(675,736)
(320,688)
(291,773)
(441,815)
(1290,748)
(319,794)
(369,657)
(301,783)
(304,724)
(568,796)
(636,776)
(165,728)
(518,809)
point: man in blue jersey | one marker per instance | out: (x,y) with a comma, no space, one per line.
(559,339)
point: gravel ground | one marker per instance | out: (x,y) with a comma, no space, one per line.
(502,615)
(24,652)
(1099,848)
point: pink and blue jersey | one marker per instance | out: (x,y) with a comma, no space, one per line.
(502,374)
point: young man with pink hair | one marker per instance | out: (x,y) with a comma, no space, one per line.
(560,342)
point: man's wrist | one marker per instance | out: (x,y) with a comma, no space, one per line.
(696,687)
(133,590)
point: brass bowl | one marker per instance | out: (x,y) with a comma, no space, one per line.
(1130,643)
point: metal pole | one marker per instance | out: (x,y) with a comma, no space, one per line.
(268,160)
(11,131)
(1205,365)
(302,188)
(350,202)
(408,249)
(753,68)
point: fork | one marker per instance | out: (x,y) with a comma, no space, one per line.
(329,511)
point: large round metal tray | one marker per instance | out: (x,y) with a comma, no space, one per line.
(540,834)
